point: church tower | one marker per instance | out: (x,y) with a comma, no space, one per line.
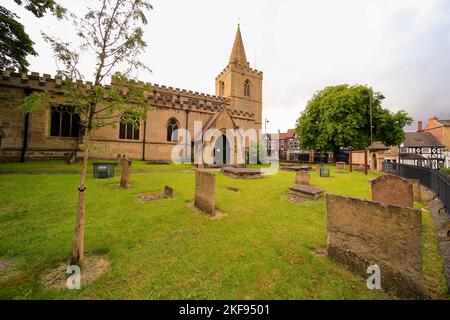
(241,84)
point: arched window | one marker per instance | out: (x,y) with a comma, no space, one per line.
(64,122)
(247,88)
(129,127)
(221,88)
(172,127)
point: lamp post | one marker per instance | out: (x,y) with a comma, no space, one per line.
(380,97)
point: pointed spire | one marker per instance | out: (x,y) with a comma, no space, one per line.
(238,51)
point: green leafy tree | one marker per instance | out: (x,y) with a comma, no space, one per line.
(15,44)
(113,34)
(339,116)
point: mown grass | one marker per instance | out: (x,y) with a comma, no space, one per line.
(264,247)
(59,166)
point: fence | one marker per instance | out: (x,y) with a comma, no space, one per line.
(432,179)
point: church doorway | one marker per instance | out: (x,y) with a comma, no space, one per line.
(222,150)
(374,163)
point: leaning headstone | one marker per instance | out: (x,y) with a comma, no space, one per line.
(205,191)
(390,189)
(126,171)
(362,234)
(302,177)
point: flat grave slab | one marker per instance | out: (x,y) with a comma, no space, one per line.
(296,168)
(242,173)
(306,191)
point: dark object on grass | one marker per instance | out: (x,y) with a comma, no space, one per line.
(104,170)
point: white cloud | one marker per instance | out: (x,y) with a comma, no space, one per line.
(399,47)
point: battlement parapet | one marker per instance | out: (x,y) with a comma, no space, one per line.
(161,95)
(257,73)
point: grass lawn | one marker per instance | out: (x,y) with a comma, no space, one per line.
(58,166)
(264,247)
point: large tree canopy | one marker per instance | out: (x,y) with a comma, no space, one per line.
(15,44)
(339,116)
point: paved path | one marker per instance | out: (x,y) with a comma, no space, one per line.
(442,222)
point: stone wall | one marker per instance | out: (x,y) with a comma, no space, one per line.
(167,102)
(205,191)
(391,189)
(363,233)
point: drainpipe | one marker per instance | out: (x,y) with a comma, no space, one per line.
(26,122)
(143,140)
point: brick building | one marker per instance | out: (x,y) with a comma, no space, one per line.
(440,129)
(53,132)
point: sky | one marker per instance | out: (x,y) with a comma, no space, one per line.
(400,48)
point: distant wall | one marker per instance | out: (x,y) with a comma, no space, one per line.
(362,233)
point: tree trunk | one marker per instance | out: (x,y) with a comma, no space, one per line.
(78,243)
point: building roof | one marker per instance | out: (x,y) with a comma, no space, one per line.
(445,123)
(238,51)
(377,145)
(421,139)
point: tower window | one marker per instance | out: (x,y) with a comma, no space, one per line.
(221,88)
(126,129)
(64,122)
(172,127)
(247,88)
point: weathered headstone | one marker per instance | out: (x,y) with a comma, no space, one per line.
(119,159)
(390,189)
(364,233)
(340,165)
(416,189)
(72,158)
(205,191)
(318,168)
(302,177)
(168,191)
(126,171)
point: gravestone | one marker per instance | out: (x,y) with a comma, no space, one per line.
(119,159)
(126,171)
(391,189)
(318,168)
(340,165)
(72,158)
(305,191)
(364,233)
(302,177)
(168,191)
(416,189)
(205,191)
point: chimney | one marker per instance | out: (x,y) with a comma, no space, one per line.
(419,126)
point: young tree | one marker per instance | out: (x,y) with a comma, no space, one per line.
(113,34)
(339,116)
(15,44)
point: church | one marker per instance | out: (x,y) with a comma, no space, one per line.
(53,132)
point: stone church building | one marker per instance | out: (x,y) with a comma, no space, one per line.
(53,133)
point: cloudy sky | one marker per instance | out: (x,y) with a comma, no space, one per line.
(401,48)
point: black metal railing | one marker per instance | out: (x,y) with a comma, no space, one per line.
(432,179)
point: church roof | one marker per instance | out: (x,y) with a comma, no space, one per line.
(238,51)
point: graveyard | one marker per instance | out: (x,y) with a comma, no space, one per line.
(263,246)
